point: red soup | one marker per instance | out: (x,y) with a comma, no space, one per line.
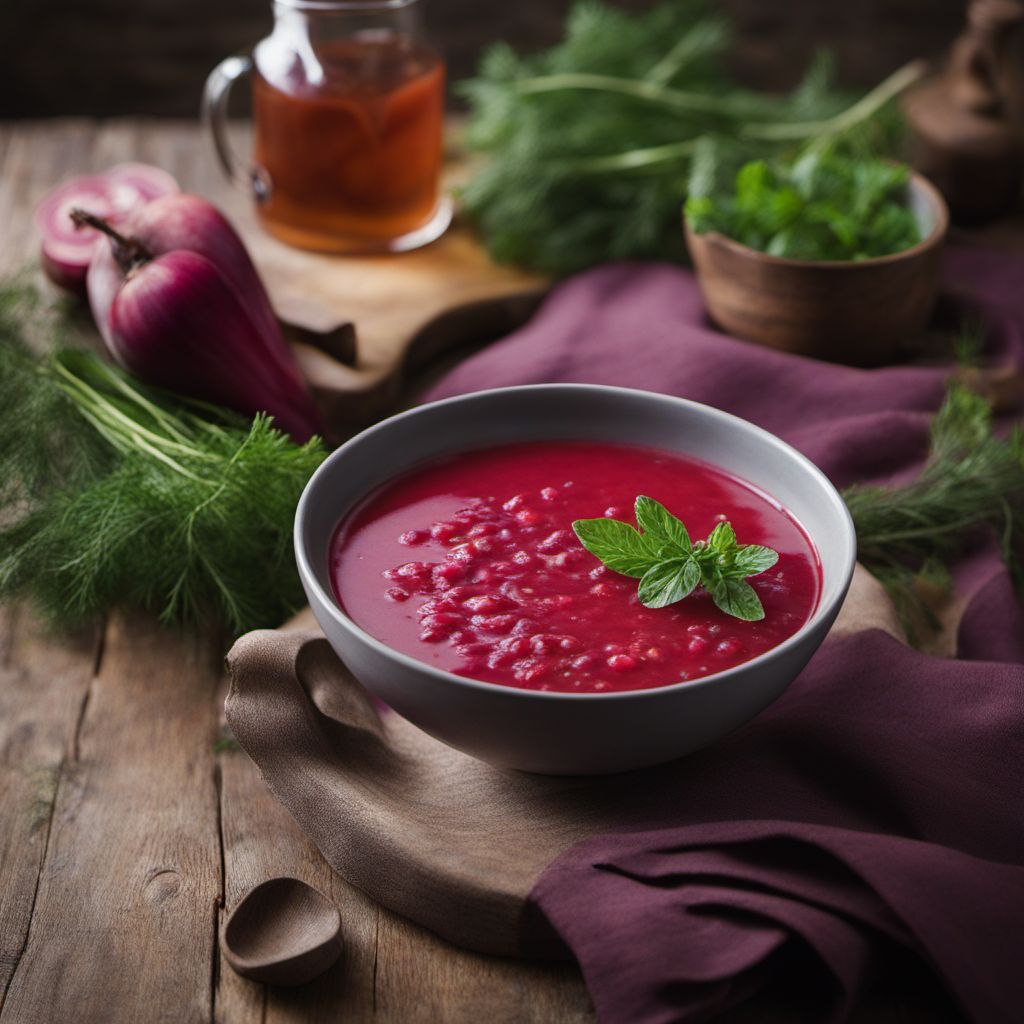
(470,564)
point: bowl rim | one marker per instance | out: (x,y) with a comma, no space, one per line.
(826,610)
(934,238)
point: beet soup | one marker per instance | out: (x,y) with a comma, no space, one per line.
(470,564)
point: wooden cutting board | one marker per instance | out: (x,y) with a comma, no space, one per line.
(402,310)
(433,834)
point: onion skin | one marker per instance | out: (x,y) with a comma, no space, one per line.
(178,322)
(184,221)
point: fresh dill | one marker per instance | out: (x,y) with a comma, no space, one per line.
(116,495)
(972,481)
(590,145)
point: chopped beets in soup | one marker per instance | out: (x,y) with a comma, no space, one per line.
(470,564)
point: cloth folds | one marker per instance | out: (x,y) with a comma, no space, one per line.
(872,820)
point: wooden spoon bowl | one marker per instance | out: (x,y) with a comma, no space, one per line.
(283,932)
(855,312)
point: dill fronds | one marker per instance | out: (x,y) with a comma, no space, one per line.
(116,495)
(972,481)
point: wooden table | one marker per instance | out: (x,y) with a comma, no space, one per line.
(125,836)
(127,830)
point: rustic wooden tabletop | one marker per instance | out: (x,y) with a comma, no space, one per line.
(125,837)
(127,832)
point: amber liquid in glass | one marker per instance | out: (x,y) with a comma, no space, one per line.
(352,155)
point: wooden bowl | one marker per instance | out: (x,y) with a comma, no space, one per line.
(855,312)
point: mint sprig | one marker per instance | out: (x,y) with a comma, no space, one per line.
(670,566)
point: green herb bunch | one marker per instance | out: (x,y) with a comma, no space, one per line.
(116,495)
(822,206)
(670,566)
(972,481)
(590,145)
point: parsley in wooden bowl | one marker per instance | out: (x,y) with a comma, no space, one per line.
(830,256)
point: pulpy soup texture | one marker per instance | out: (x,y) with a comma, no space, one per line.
(470,564)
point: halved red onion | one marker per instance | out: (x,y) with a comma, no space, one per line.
(67,250)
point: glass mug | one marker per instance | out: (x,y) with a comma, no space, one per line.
(348,116)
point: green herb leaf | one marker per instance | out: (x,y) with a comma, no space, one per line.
(668,582)
(659,525)
(722,538)
(617,544)
(752,559)
(737,598)
(825,205)
(670,566)
(973,480)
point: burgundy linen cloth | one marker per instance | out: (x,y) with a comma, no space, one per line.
(874,816)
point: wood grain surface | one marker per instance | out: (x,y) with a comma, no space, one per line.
(131,871)
(391,970)
(43,691)
(125,839)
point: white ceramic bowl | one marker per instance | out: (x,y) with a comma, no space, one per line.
(571,733)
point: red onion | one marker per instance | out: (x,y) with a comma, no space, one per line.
(184,221)
(181,306)
(67,250)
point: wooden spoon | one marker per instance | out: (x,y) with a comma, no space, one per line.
(284,932)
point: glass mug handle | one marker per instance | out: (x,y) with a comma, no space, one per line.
(214,115)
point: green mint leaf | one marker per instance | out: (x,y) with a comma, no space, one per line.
(722,539)
(670,566)
(738,599)
(659,525)
(668,582)
(751,559)
(617,544)
(824,205)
